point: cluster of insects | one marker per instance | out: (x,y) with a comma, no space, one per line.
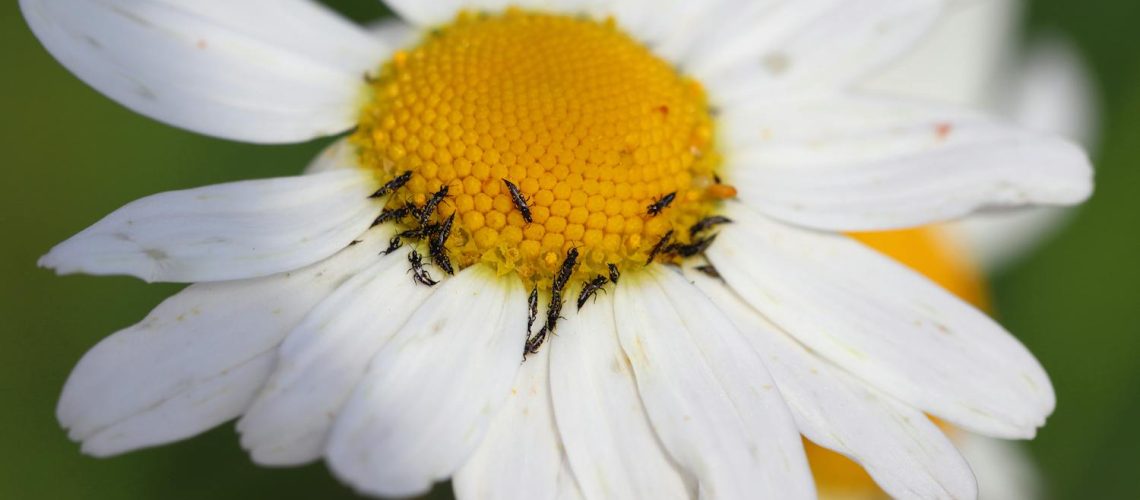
(666,246)
(699,242)
(418,218)
(554,307)
(590,288)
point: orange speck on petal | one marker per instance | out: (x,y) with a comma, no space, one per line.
(942,130)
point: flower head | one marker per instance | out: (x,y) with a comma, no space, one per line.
(664,185)
(548,132)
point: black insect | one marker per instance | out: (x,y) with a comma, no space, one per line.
(413,211)
(430,206)
(565,271)
(421,232)
(553,311)
(532,307)
(691,249)
(436,245)
(662,244)
(707,222)
(534,342)
(445,229)
(354,243)
(393,244)
(393,214)
(614,274)
(659,205)
(419,274)
(520,201)
(415,260)
(709,271)
(393,185)
(590,288)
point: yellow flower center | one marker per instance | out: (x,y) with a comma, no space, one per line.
(549,133)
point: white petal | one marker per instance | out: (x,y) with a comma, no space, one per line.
(227,231)
(885,324)
(958,61)
(668,27)
(431,392)
(434,12)
(567,486)
(521,456)
(197,360)
(861,163)
(323,359)
(341,154)
(256,71)
(611,447)
(207,402)
(906,454)
(710,399)
(772,50)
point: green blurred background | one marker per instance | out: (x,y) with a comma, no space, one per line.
(73,156)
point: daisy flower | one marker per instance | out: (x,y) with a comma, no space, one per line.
(568,248)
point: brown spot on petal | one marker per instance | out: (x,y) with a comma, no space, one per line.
(777,63)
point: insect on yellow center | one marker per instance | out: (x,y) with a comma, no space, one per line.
(549,132)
